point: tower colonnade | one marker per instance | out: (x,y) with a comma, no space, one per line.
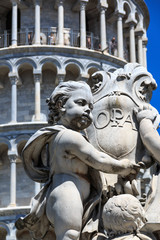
(62,68)
(125,14)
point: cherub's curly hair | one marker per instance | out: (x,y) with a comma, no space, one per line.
(59,96)
(123,214)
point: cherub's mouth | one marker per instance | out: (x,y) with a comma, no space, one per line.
(86,116)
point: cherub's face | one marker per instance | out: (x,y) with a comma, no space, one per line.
(78,107)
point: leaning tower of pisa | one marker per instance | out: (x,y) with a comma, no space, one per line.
(44,42)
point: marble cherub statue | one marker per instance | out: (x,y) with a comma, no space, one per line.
(150,137)
(67,188)
(123,217)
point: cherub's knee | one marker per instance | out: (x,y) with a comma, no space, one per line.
(70,235)
(73,234)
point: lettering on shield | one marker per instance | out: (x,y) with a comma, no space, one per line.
(115,117)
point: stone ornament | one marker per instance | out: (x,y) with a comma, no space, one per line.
(93,151)
(115,128)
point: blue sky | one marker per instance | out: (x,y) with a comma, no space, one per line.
(153,48)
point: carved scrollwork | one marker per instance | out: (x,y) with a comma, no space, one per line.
(98,81)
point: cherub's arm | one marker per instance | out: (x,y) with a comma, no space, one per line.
(148,132)
(76,144)
(150,138)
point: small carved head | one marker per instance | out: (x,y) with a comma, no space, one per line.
(59,97)
(123,214)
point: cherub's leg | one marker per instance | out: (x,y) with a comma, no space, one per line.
(65,210)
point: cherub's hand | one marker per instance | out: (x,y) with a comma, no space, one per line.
(147,161)
(129,168)
(145,112)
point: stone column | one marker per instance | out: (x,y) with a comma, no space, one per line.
(26,33)
(37,21)
(5,39)
(60,22)
(132,46)
(144,53)
(140,49)
(120,35)
(83,24)
(84,77)
(37,187)
(103,34)
(12,158)
(14,22)
(14,81)
(37,80)
(60,78)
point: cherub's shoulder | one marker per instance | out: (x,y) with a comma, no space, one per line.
(68,133)
(68,136)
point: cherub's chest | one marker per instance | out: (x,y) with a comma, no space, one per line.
(63,161)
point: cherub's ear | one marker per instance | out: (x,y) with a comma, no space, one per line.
(61,106)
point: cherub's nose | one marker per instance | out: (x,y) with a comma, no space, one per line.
(87,109)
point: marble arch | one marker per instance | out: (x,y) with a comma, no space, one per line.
(24,61)
(54,61)
(5,227)
(93,65)
(125,2)
(5,141)
(20,142)
(6,64)
(74,61)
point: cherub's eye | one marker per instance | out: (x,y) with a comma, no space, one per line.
(80,102)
